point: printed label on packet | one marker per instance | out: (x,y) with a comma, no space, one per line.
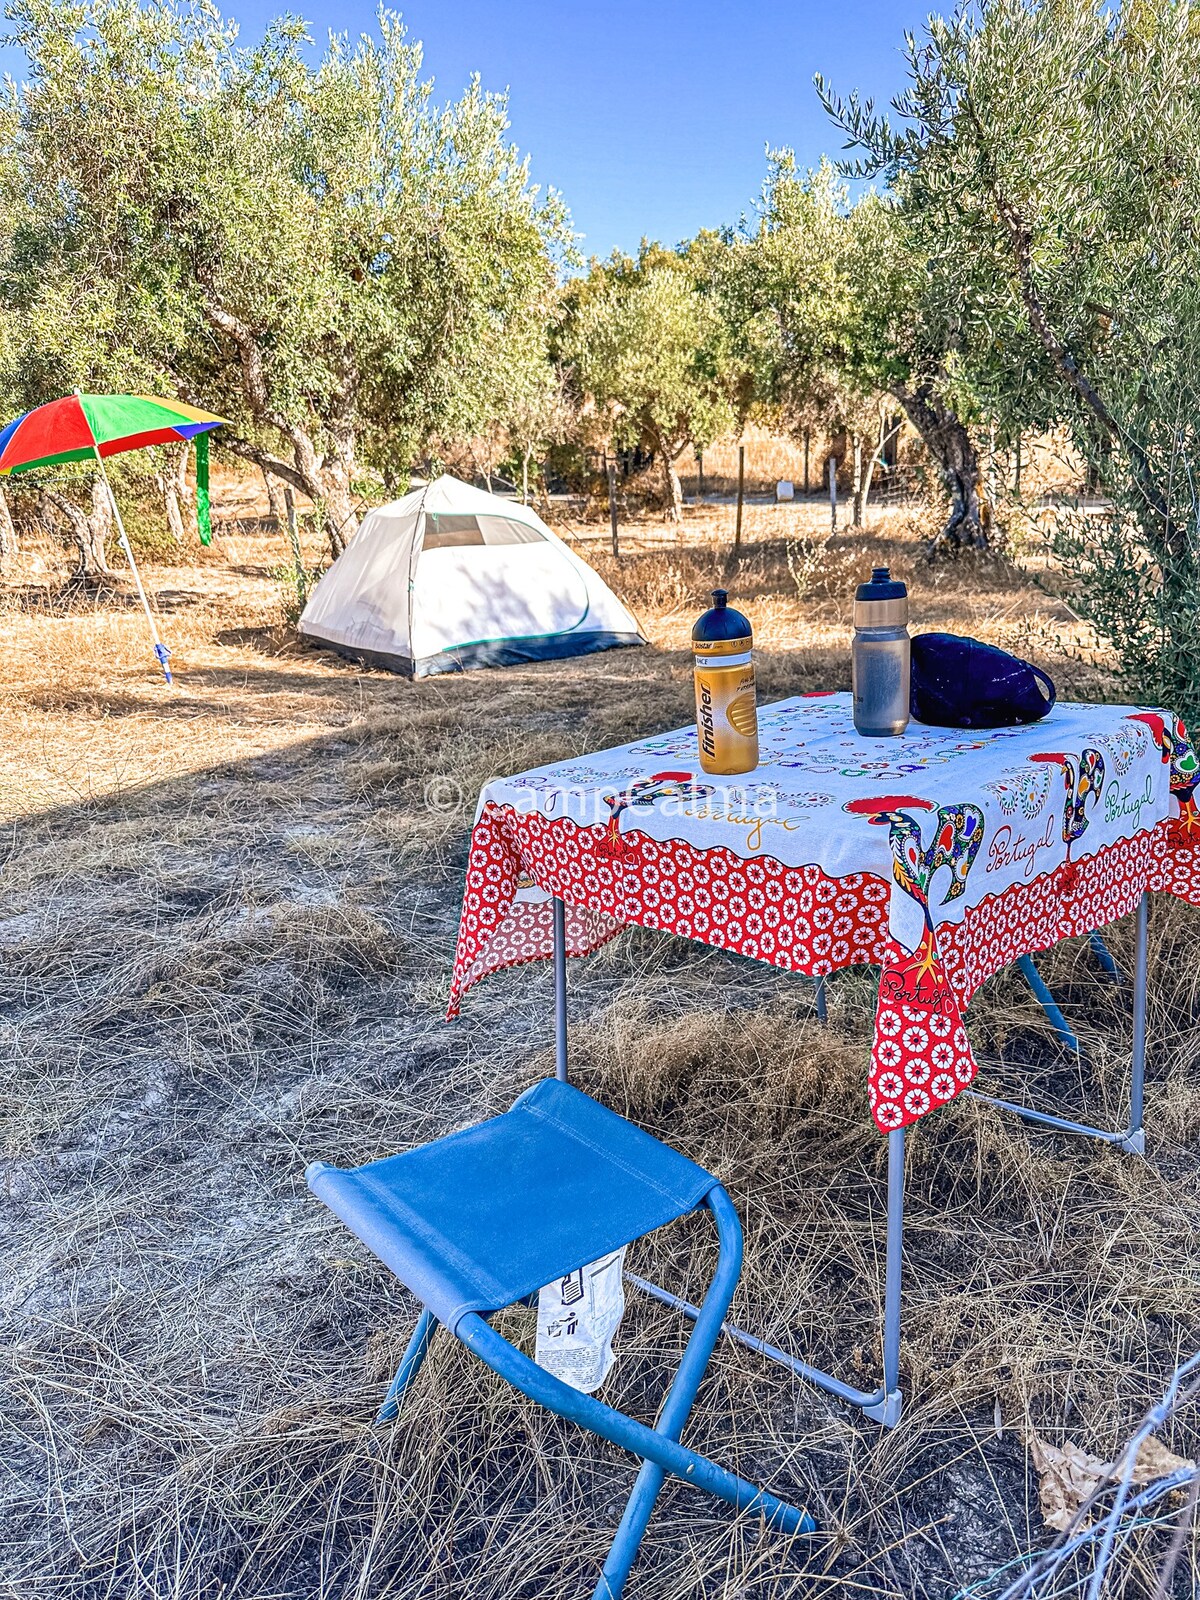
(578,1317)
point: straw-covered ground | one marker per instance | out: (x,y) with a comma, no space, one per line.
(227,925)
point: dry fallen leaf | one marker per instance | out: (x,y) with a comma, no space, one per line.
(1067,1475)
(1155,1461)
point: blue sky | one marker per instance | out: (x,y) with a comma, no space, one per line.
(651,118)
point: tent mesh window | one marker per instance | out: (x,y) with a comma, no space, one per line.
(444,529)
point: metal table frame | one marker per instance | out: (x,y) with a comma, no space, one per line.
(883,1404)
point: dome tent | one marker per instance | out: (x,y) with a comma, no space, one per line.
(450,578)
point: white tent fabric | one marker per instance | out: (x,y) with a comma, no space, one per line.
(450,578)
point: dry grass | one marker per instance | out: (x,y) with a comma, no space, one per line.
(226,935)
(1049,464)
(769,457)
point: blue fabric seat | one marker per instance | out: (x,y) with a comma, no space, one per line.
(483,1218)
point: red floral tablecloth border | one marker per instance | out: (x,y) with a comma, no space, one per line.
(802,920)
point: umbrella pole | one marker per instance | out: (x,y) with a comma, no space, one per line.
(161,652)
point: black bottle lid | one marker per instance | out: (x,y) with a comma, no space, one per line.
(881,587)
(721,623)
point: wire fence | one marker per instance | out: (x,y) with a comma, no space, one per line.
(1088,1553)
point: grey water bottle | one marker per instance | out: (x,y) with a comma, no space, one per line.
(879,657)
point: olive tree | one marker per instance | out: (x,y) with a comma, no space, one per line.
(785,294)
(852,319)
(321,253)
(644,345)
(1046,162)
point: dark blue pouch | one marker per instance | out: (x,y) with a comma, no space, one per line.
(964,683)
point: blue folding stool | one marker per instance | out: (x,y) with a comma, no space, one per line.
(482,1219)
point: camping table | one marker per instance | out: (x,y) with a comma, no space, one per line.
(940,856)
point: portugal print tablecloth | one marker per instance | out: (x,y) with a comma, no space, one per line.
(941,856)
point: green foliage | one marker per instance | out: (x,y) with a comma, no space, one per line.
(318,252)
(837,317)
(787,297)
(1047,166)
(295,582)
(645,345)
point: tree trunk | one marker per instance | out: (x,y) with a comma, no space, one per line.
(174,515)
(672,488)
(953,453)
(735,555)
(326,480)
(8,535)
(173,484)
(327,483)
(525,477)
(856,446)
(186,492)
(276,499)
(887,432)
(337,504)
(88,533)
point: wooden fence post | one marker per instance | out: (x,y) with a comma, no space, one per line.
(612,507)
(807,436)
(833,492)
(737,527)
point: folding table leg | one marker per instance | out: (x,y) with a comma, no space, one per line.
(560,990)
(410,1365)
(1135,1135)
(1132,1138)
(882,1404)
(887,1410)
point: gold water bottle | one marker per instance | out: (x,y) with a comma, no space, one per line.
(726,715)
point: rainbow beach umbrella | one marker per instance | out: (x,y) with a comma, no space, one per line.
(83,427)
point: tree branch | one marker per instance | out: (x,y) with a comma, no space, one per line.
(305,474)
(1063,361)
(275,465)
(1021,240)
(254,377)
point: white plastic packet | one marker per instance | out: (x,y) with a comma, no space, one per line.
(577,1318)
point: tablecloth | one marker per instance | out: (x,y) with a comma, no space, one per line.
(941,856)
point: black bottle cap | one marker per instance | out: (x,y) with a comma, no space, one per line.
(721,623)
(881,587)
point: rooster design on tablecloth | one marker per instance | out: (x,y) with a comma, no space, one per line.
(644,792)
(1083,781)
(955,844)
(1173,742)
(921,1056)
